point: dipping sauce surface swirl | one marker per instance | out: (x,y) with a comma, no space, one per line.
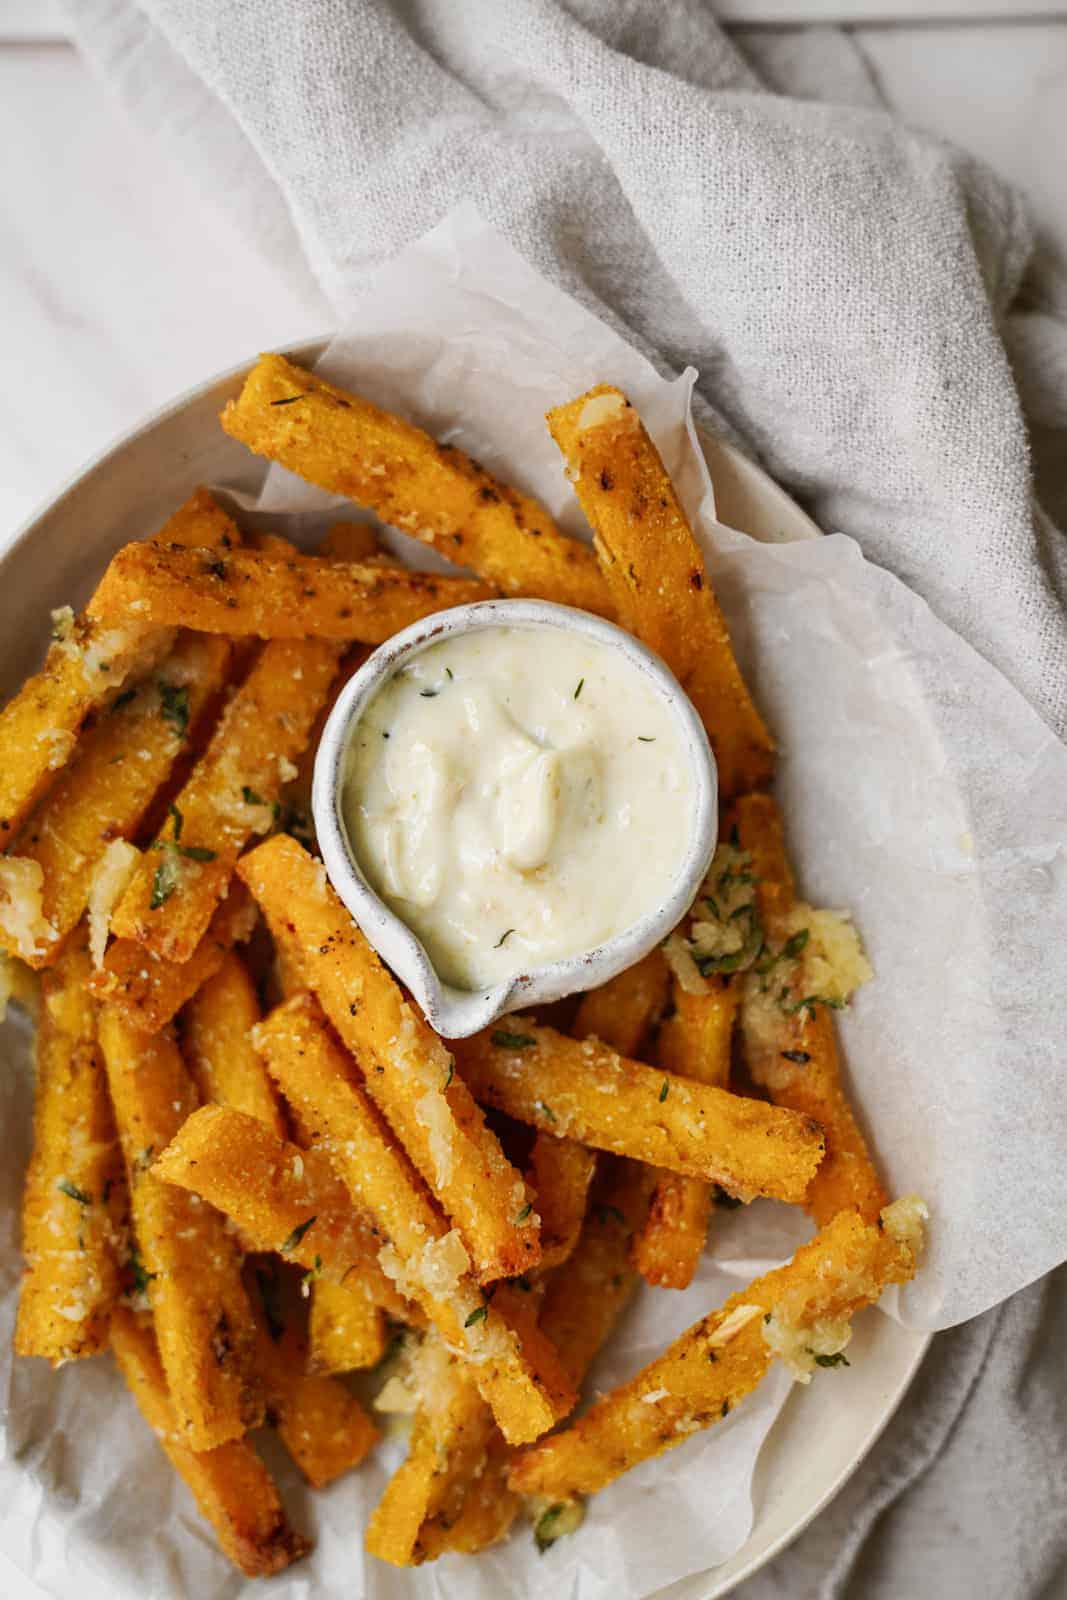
(517,796)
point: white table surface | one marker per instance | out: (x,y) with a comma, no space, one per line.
(115,298)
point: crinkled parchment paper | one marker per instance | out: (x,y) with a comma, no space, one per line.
(919,790)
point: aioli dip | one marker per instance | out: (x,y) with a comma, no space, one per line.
(517,796)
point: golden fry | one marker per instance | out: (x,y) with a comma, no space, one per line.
(218,1049)
(705,1372)
(486,1513)
(320,1422)
(434,492)
(86,667)
(230,796)
(694,1040)
(75,1189)
(346,1328)
(623,1012)
(584,1299)
(276,596)
(148,991)
(582,1090)
(116,770)
(192,1265)
(517,1371)
(282,1198)
(560,1173)
(795,1057)
(231,1486)
(448,1448)
(407,1069)
(656,575)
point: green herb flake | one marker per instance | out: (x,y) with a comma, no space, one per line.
(309,1277)
(838,1360)
(196,852)
(513,1041)
(524,1213)
(250,797)
(479,1314)
(451,1074)
(794,945)
(174,706)
(164,882)
(581,686)
(505,935)
(429,694)
(289,400)
(665,1090)
(141,1276)
(646,738)
(296,1236)
(71,1189)
(545,1109)
(565,1517)
(178,820)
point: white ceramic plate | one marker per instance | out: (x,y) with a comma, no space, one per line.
(128,493)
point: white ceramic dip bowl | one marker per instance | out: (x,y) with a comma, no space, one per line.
(455,1013)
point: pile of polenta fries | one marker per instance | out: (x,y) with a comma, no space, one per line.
(256,1168)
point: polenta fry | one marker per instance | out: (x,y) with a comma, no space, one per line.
(518,1372)
(434,492)
(694,1040)
(584,1299)
(346,1326)
(320,1422)
(560,1173)
(276,596)
(87,665)
(231,795)
(202,1317)
(485,1515)
(108,786)
(148,991)
(624,1011)
(583,1090)
(448,1448)
(232,1488)
(705,1372)
(282,1198)
(790,1046)
(217,1045)
(407,1069)
(74,1193)
(656,575)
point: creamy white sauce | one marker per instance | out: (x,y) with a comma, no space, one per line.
(517,796)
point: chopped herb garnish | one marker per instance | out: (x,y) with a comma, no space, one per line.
(174,706)
(448,672)
(429,694)
(513,1041)
(122,699)
(646,738)
(838,1360)
(309,1277)
(479,1314)
(164,882)
(179,821)
(289,400)
(505,935)
(766,1317)
(545,1110)
(726,1408)
(809,1002)
(581,686)
(801,1057)
(524,1213)
(451,1074)
(794,945)
(665,1090)
(296,1236)
(250,797)
(141,1276)
(196,852)
(563,1518)
(66,1187)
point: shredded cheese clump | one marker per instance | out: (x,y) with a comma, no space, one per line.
(110,880)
